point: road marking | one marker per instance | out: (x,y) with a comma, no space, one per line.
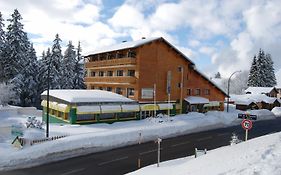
(204,138)
(223,134)
(150,151)
(179,144)
(73,171)
(114,160)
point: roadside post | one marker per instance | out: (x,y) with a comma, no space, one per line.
(158,157)
(139,160)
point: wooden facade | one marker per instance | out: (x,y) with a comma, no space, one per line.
(135,71)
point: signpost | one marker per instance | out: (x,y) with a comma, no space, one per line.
(247,123)
(158,157)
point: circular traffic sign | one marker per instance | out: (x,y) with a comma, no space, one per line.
(247,124)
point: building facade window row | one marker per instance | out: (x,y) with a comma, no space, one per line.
(198,92)
(130,92)
(110,73)
(114,55)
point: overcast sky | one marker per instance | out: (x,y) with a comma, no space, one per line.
(217,35)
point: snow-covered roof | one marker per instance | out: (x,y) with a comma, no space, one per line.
(86,96)
(121,46)
(249,98)
(132,44)
(196,100)
(259,90)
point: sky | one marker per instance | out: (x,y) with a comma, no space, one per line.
(217,35)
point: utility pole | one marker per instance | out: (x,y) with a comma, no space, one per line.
(154,90)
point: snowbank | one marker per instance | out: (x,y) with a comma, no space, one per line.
(84,139)
(276,111)
(256,156)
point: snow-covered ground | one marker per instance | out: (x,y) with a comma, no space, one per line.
(259,156)
(83,139)
(276,111)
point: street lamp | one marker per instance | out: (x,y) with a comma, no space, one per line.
(48,99)
(228,83)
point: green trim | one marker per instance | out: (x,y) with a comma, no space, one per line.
(54,119)
(72,115)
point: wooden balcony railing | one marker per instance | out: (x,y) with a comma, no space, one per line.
(113,62)
(115,79)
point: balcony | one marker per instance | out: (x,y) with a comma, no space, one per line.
(112,62)
(115,79)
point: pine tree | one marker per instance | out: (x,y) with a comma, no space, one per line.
(16,49)
(270,75)
(79,70)
(69,67)
(2,47)
(56,66)
(253,76)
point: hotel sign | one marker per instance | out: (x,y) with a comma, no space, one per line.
(147,93)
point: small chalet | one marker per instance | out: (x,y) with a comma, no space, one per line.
(269,91)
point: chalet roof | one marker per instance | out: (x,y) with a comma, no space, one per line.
(259,90)
(249,98)
(86,96)
(196,100)
(133,44)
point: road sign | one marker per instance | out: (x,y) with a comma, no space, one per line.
(247,116)
(247,124)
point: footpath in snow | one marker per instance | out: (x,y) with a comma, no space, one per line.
(260,156)
(83,139)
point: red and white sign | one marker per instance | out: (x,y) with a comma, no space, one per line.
(247,124)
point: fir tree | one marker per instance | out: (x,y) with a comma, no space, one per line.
(79,70)
(270,75)
(253,76)
(69,67)
(2,47)
(56,66)
(16,49)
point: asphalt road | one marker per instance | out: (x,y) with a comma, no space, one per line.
(124,160)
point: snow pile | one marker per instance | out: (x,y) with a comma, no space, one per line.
(276,111)
(84,139)
(256,156)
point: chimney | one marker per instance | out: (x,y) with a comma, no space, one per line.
(124,41)
(143,37)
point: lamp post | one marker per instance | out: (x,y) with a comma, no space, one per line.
(48,99)
(228,83)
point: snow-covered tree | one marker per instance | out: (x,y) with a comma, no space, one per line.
(16,49)
(270,75)
(69,62)
(56,66)
(25,83)
(79,70)
(2,47)
(253,75)
(6,94)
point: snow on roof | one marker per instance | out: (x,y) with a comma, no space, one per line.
(81,95)
(124,45)
(196,100)
(249,98)
(259,90)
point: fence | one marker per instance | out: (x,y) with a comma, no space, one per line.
(24,141)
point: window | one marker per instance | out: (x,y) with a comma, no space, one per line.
(100,88)
(179,68)
(93,74)
(207,91)
(120,55)
(197,92)
(118,90)
(179,85)
(188,92)
(147,93)
(131,73)
(119,72)
(109,73)
(101,73)
(132,54)
(102,57)
(92,87)
(130,92)
(109,88)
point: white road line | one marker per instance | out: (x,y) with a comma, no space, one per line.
(150,151)
(223,134)
(73,171)
(114,160)
(179,144)
(204,138)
